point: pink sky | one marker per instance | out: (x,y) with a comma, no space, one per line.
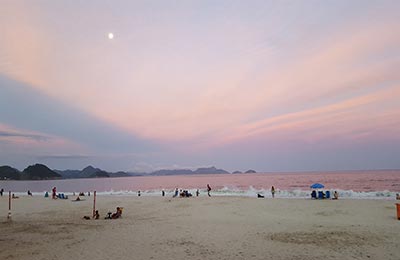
(199,78)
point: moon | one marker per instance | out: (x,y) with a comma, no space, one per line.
(110,36)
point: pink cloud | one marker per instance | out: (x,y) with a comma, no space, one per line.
(36,143)
(331,86)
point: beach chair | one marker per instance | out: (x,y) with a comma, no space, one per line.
(328,194)
(321,195)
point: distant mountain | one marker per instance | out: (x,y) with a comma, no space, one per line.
(172,172)
(9,173)
(251,171)
(69,174)
(89,171)
(119,174)
(99,174)
(236,172)
(42,172)
(39,172)
(208,170)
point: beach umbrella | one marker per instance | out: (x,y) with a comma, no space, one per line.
(317,186)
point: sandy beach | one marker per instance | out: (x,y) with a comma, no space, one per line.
(200,228)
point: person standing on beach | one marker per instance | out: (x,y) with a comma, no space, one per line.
(163,193)
(273,191)
(54,191)
(208,190)
(1,192)
(197,192)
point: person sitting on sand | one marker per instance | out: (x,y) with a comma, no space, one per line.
(14,197)
(335,195)
(259,195)
(29,193)
(313,194)
(96,215)
(117,214)
(78,199)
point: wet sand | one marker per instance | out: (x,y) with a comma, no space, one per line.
(200,228)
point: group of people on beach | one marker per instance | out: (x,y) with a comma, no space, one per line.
(186,193)
(110,215)
(324,195)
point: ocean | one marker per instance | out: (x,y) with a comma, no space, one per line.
(352,184)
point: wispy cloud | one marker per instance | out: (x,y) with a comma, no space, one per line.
(9,133)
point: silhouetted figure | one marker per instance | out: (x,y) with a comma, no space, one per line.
(163,193)
(335,195)
(273,191)
(138,193)
(29,193)
(1,192)
(208,190)
(96,215)
(259,195)
(197,193)
(176,193)
(54,193)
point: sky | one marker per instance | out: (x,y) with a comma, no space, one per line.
(263,85)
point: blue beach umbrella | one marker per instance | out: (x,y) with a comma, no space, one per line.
(317,186)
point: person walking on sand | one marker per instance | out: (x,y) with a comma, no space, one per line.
(273,191)
(208,190)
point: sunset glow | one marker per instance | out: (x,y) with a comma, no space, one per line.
(266,85)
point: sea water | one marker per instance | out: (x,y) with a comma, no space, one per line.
(353,184)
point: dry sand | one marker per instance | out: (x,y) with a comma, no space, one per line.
(200,228)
